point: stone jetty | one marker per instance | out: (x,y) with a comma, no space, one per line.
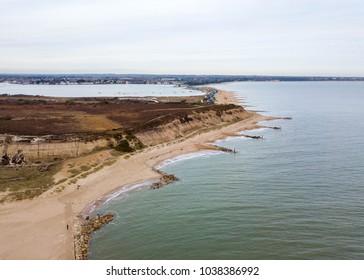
(253,136)
(165,180)
(82,238)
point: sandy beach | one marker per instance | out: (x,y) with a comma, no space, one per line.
(43,228)
(226,97)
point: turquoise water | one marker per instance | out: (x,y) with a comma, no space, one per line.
(297,194)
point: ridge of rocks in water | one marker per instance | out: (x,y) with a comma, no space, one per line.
(165,179)
(82,238)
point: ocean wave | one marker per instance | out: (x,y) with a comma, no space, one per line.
(124,191)
(230,138)
(203,153)
(251,131)
(119,194)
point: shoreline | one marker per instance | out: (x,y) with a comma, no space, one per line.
(153,163)
(52,221)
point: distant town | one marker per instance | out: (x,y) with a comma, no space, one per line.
(95,79)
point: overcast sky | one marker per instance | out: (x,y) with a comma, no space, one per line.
(275,37)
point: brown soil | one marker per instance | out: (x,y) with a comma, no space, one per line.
(19,116)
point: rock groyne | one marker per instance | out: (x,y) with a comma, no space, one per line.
(164,180)
(84,232)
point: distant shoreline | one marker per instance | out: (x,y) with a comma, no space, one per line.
(172,79)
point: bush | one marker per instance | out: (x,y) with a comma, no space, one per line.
(70,102)
(85,168)
(123,146)
(8,139)
(104,102)
(129,137)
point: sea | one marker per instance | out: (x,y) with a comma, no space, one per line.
(296,194)
(103,90)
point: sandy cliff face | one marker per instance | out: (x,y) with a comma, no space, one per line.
(47,148)
(49,151)
(183,127)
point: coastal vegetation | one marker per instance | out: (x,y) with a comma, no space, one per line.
(46,133)
(27,182)
(84,151)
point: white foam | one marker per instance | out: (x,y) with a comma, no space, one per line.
(117,195)
(124,192)
(204,153)
(231,138)
(251,131)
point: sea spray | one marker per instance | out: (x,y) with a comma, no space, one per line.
(178,159)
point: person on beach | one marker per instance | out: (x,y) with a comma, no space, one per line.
(78,186)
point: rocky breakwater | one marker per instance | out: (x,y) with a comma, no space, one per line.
(84,232)
(219,148)
(164,180)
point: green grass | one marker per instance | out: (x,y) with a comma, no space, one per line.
(26,182)
(85,168)
(74,171)
(59,189)
(124,146)
(73,181)
(61,181)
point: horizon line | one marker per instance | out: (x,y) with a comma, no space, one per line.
(171,74)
